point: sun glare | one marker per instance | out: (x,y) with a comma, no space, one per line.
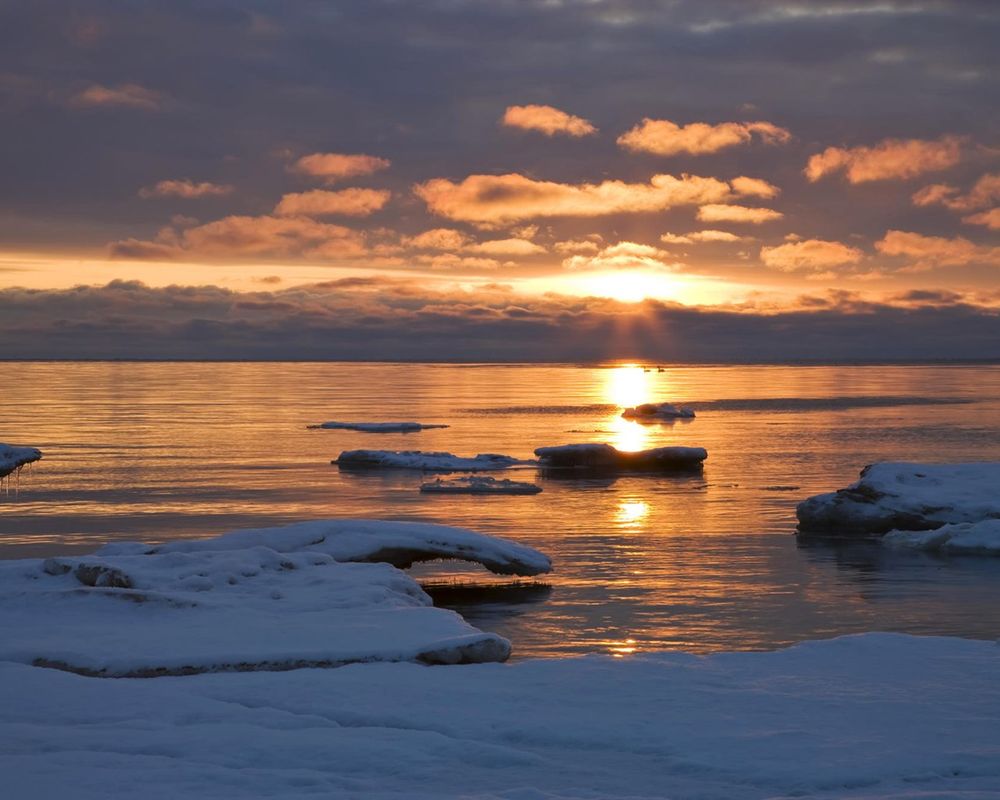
(631,286)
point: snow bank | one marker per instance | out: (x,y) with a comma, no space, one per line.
(13,458)
(479,485)
(269,599)
(651,412)
(604,456)
(378,427)
(974,538)
(873,716)
(908,497)
(423,460)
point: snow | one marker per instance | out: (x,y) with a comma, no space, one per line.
(479,485)
(423,460)
(605,456)
(378,427)
(268,599)
(973,538)
(870,716)
(13,458)
(657,411)
(907,496)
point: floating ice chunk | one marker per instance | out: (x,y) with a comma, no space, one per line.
(479,485)
(651,412)
(378,427)
(974,538)
(423,460)
(269,599)
(604,456)
(13,458)
(906,496)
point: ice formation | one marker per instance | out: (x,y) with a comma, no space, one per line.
(422,460)
(607,457)
(479,485)
(378,427)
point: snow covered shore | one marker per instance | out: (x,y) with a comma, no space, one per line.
(378,427)
(871,716)
(13,458)
(906,497)
(607,457)
(268,599)
(422,460)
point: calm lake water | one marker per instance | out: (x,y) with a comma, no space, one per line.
(164,451)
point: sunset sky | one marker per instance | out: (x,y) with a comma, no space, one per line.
(575,179)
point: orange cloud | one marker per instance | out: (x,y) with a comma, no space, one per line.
(927,252)
(991,219)
(891,159)
(664,138)
(810,254)
(726,213)
(452,261)
(185,189)
(701,236)
(547,120)
(576,246)
(624,255)
(332,167)
(320,203)
(126,95)
(754,187)
(507,247)
(985,192)
(492,200)
(438,239)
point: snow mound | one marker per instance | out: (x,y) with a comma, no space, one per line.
(423,460)
(479,485)
(974,538)
(13,458)
(378,427)
(651,412)
(269,599)
(605,456)
(876,716)
(907,497)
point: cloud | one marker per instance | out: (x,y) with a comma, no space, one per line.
(701,236)
(242,236)
(493,200)
(991,219)
(124,95)
(755,187)
(547,120)
(927,252)
(985,192)
(451,261)
(890,159)
(810,254)
(438,239)
(624,255)
(185,189)
(456,241)
(728,213)
(664,138)
(576,246)
(333,167)
(507,247)
(345,202)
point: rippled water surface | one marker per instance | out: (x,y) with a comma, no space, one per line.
(706,562)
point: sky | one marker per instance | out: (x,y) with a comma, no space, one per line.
(722,180)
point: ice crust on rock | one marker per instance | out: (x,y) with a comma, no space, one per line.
(652,412)
(13,457)
(607,457)
(907,497)
(378,427)
(268,599)
(876,716)
(479,485)
(423,460)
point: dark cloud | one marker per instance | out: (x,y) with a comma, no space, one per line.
(385,319)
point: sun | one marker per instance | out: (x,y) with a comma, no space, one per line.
(631,286)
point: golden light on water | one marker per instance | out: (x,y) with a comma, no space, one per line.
(627,386)
(631,512)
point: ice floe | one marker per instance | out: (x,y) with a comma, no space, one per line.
(973,538)
(267,599)
(908,497)
(479,485)
(606,457)
(378,427)
(875,716)
(656,412)
(422,460)
(13,458)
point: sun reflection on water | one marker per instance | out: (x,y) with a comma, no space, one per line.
(628,385)
(631,512)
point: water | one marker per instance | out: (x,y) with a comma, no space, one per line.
(164,451)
